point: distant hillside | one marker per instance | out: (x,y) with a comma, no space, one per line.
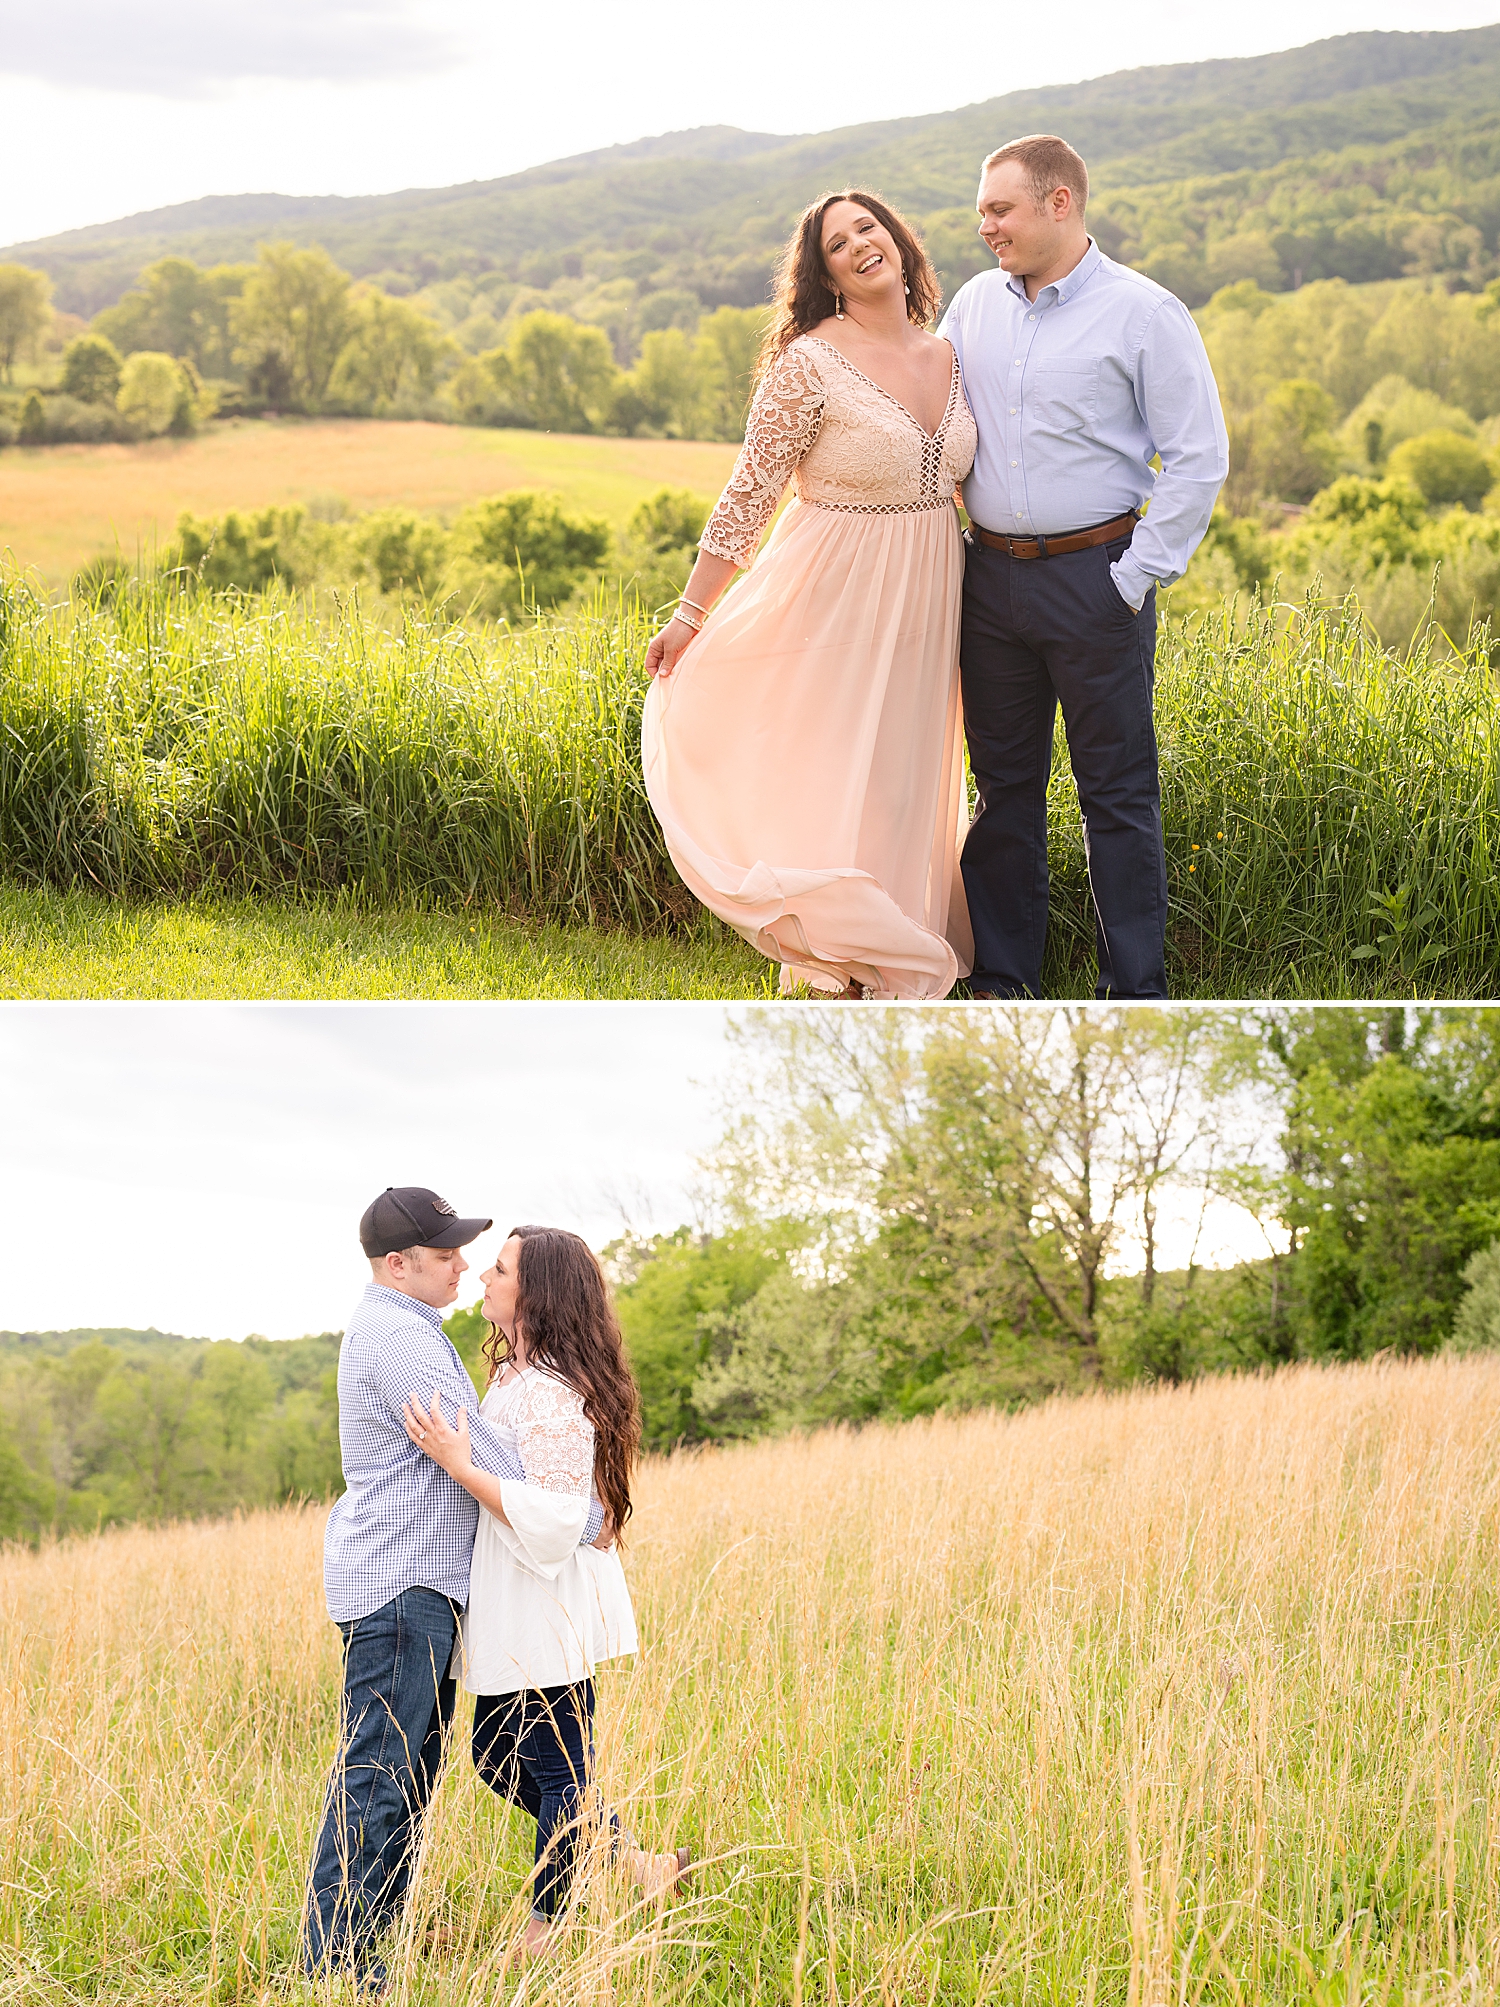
(1398,127)
(57,1344)
(295,1358)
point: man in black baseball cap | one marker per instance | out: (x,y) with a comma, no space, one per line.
(396,1560)
(410,1216)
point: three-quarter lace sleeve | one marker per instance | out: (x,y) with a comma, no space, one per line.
(554,1436)
(549,1514)
(785,419)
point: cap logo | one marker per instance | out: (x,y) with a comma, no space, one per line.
(442,1206)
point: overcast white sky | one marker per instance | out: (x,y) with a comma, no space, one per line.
(107,109)
(202,1167)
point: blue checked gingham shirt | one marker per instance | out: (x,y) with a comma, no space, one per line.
(1073,392)
(403,1523)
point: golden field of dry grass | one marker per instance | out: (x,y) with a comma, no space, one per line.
(1173,1696)
(62,505)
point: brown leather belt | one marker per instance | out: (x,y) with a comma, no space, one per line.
(1074,540)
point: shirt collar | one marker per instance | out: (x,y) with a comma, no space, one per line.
(1064,289)
(397,1299)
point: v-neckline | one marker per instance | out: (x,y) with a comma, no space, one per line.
(890,396)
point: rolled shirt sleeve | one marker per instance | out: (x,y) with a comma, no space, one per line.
(429,1374)
(1179,401)
(402,1522)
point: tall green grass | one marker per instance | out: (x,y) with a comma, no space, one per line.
(1332,811)
(177,741)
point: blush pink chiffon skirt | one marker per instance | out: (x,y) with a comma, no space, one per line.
(805,759)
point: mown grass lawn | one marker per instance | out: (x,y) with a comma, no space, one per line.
(62,945)
(78,944)
(62,505)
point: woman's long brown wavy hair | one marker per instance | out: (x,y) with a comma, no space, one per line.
(569,1325)
(804,292)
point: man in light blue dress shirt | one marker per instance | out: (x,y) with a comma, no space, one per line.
(1079,372)
(396,1560)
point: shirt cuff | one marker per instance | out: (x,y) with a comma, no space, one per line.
(1131,582)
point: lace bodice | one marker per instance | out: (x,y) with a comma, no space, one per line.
(845,443)
(554,1437)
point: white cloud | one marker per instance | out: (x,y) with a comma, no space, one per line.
(181,48)
(533,84)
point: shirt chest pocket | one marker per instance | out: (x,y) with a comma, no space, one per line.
(1063,396)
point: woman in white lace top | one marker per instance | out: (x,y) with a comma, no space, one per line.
(543,1612)
(803,749)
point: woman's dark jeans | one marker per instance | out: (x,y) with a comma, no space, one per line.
(536,1749)
(398,1702)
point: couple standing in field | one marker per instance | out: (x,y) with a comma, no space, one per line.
(475,1540)
(804,748)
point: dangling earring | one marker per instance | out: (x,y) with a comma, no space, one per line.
(838,306)
(904,286)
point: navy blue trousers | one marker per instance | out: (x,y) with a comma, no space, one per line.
(1039,632)
(536,1748)
(398,1702)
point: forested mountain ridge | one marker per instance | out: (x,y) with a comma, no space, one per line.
(705,209)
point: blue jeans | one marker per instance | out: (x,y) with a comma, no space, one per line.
(1038,632)
(398,1702)
(536,1749)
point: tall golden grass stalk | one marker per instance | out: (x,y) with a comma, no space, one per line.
(1169,1696)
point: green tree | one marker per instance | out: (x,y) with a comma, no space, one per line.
(1393,1180)
(1292,451)
(667,383)
(973,1176)
(393,352)
(155,1439)
(552,374)
(1445,468)
(25,1497)
(727,345)
(91,369)
(524,550)
(668,1290)
(293,319)
(152,392)
(32,430)
(25,314)
(181,309)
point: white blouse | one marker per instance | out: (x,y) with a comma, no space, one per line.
(543,1611)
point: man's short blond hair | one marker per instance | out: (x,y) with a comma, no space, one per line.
(1049,162)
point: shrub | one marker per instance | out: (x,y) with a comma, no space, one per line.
(1476,1322)
(405,552)
(1444,467)
(661,543)
(151,391)
(241,553)
(72,422)
(524,550)
(32,430)
(91,370)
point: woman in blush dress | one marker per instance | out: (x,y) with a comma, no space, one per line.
(803,749)
(544,1612)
